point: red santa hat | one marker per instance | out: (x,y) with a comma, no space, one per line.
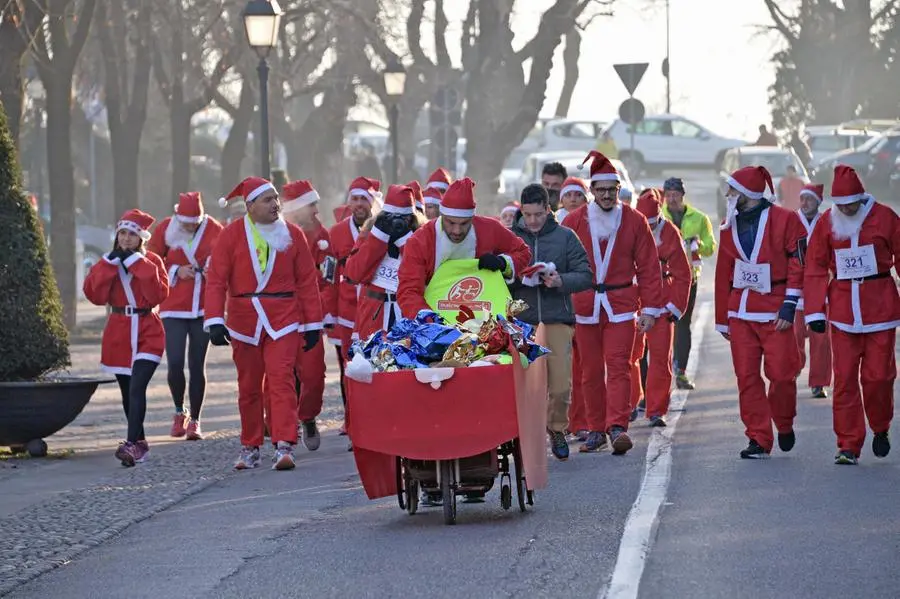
(814,190)
(248,190)
(510,207)
(189,208)
(298,194)
(751,181)
(137,222)
(432,196)
(417,195)
(846,187)
(649,204)
(459,199)
(574,184)
(400,199)
(439,179)
(601,168)
(365,187)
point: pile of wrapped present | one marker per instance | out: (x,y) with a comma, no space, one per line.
(429,341)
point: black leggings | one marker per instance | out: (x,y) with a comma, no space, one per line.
(340,358)
(682,344)
(134,396)
(182,332)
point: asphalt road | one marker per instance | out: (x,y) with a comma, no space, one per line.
(792,526)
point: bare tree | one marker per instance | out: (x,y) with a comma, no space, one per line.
(235,149)
(19,19)
(57,44)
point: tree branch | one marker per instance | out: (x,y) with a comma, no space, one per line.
(781,20)
(413,35)
(440,35)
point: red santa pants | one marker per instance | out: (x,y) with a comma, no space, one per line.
(271,362)
(637,352)
(755,345)
(866,358)
(819,352)
(659,367)
(605,371)
(311,372)
(577,416)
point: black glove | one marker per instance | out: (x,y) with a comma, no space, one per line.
(218,335)
(787,310)
(818,326)
(311,338)
(491,262)
(116,253)
(383,222)
(672,317)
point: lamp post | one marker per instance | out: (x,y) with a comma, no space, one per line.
(666,70)
(394,82)
(262,20)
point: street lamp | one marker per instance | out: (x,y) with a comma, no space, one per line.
(262,20)
(394,82)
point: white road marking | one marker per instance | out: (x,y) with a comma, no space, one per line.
(644,515)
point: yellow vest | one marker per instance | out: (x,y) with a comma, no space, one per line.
(262,248)
(459,282)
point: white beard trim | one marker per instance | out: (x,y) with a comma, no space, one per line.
(177,236)
(730,213)
(845,227)
(276,234)
(604,224)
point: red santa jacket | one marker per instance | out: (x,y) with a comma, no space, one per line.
(855,305)
(427,247)
(776,245)
(185,297)
(628,255)
(676,269)
(371,267)
(320,248)
(343,239)
(809,227)
(234,271)
(140,282)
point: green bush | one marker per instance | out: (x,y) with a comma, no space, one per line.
(33,338)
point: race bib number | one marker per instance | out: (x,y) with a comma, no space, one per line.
(752,276)
(855,263)
(387,275)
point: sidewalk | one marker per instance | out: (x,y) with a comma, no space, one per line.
(57,507)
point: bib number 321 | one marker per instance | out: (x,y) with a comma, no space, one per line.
(855,263)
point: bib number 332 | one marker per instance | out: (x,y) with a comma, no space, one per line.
(387,274)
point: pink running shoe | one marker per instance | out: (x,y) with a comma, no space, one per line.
(143,451)
(193,431)
(128,454)
(178,422)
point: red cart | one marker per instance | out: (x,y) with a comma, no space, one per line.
(453,430)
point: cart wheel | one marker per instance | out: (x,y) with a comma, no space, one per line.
(17,449)
(530,496)
(505,496)
(37,448)
(401,486)
(448,491)
(412,497)
(520,475)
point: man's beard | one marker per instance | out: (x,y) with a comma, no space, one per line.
(604,223)
(843,226)
(731,210)
(177,236)
(276,234)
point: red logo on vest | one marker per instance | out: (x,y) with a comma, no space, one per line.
(464,293)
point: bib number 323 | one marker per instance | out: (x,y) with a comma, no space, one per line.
(855,263)
(752,276)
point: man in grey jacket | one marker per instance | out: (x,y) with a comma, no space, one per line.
(559,268)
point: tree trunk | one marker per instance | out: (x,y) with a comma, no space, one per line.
(180,122)
(571,55)
(235,149)
(62,194)
(126,157)
(11,89)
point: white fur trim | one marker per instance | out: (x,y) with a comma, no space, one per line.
(134,228)
(130,260)
(322,244)
(223,202)
(356,191)
(798,293)
(402,241)
(675,311)
(809,192)
(509,209)
(312,326)
(457,212)
(390,209)
(604,177)
(569,188)
(721,328)
(190,220)
(310,197)
(844,200)
(432,201)
(814,317)
(211,321)
(259,191)
(380,235)
(753,195)
(438,185)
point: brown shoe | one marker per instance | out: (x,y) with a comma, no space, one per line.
(621,442)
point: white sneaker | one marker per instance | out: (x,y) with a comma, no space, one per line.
(284,457)
(248,459)
(310,435)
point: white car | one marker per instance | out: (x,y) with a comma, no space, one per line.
(668,141)
(534,166)
(565,135)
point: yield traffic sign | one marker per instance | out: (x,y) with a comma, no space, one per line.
(631,74)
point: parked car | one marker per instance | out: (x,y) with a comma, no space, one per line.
(534,166)
(668,141)
(776,160)
(564,135)
(894,181)
(873,161)
(825,141)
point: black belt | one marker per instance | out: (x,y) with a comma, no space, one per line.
(382,297)
(277,294)
(603,287)
(130,310)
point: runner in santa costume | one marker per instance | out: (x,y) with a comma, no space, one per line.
(437,184)
(572,196)
(185,242)
(263,266)
(676,279)
(457,234)
(625,264)
(418,196)
(759,280)
(848,265)
(508,214)
(375,263)
(362,197)
(439,179)
(132,282)
(819,345)
(300,207)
